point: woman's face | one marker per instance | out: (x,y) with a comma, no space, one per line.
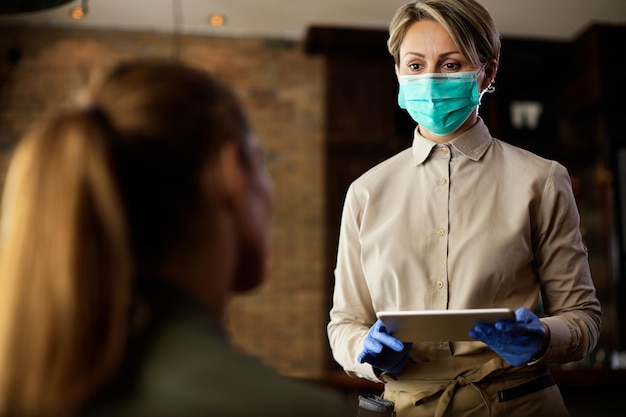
(428,48)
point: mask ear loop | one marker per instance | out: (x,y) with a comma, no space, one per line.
(490,88)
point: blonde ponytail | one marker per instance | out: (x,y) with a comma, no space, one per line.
(65,271)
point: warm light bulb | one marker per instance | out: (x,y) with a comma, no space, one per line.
(217,20)
(77,13)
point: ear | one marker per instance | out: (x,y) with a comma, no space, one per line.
(491,67)
(230,174)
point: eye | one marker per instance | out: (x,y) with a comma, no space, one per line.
(414,66)
(451,66)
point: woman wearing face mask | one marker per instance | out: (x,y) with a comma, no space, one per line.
(461,220)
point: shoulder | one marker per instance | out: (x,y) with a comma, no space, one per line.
(391,166)
(518,154)
(189,369)
(525,162)
(377,178)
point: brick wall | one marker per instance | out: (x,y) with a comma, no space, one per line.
(283,322)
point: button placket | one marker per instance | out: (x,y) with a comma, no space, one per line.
(444,180)
(441,181)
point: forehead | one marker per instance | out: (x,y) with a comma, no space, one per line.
(427,37)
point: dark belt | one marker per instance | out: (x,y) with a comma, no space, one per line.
(526,388)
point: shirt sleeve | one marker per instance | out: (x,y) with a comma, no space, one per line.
(572,310)
(352,313)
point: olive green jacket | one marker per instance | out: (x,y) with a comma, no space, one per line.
(181,364)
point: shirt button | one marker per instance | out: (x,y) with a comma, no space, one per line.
(444,150)
(439,284)
(442,181)
(441,232)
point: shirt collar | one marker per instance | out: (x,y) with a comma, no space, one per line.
(473,144)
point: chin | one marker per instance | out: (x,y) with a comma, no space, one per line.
(251,267)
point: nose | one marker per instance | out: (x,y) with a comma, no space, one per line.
(432,69)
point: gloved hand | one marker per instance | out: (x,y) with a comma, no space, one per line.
(516,342)
(383,351)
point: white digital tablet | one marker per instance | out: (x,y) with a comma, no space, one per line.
(439,325)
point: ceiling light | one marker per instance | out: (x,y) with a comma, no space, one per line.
(79,12)
(217,20)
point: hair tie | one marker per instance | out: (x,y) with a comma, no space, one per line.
(95,111)
(99,116)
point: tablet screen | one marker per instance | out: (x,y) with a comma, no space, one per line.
(439,325)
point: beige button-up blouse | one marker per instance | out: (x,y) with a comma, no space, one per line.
(473,223)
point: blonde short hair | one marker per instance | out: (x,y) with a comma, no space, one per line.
(470,25)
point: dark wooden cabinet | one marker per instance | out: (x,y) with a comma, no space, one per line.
(592,106)
(362,126)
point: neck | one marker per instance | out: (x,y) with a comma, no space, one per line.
(205,268)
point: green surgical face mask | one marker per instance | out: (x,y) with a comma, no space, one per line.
(439,102)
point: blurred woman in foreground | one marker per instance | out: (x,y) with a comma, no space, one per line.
(127,223)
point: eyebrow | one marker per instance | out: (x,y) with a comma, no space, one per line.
(443,55)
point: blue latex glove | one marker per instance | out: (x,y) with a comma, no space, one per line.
(383,351)
(516,342)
